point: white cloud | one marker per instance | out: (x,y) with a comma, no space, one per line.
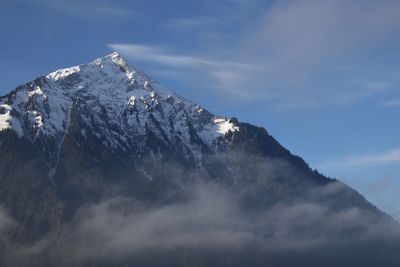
(289,54)
(223,74)
(160,55)
(392,156)
(300,47)
(307,53)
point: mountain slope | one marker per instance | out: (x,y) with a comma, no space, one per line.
(102,142)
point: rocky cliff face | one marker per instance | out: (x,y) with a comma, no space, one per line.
(84,135)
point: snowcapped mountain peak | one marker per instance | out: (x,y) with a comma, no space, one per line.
(113,67)
(114,103)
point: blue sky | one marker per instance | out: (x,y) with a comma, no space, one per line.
(323,76)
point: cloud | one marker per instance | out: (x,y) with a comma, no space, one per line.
(233,218)
(305,33)
(112,10)
(384,192)
(6,222)
(159,55)
(391,156)
(7,227)
(85,9)
(288,54)
(386,186)
(191,23)
(224,74)
(121,227)
(393,102)
(211,220)
(301,47)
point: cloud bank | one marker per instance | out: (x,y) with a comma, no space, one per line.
(216,223)
(240,209)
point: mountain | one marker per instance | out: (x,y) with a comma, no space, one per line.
(102,166)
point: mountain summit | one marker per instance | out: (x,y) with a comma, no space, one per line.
(114,102)
(102,166)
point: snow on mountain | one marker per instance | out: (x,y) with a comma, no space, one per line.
(113,101)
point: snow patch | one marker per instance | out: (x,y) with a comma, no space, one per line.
(217,128)
(62,73)
(9,122)
(223,126)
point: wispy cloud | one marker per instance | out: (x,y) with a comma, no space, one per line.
(224,73)
(85,9)
(392,156)
(384,184)
(191,23)
(393,102)
(306,41)
(307,33)
(298,50)
(160,55)
(112,10)
(288,54)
